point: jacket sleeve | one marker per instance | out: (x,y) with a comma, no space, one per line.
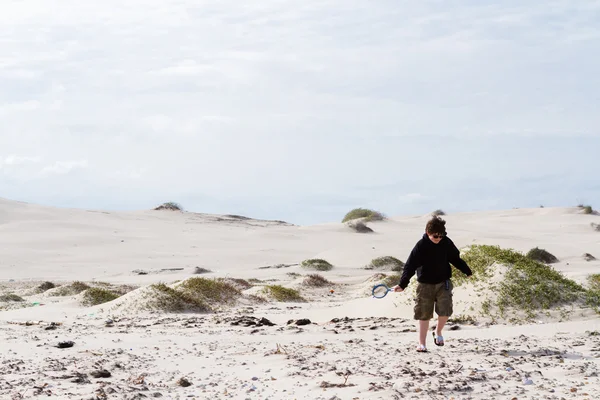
(412,263)
(454,258)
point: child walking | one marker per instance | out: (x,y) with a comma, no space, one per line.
(430,259)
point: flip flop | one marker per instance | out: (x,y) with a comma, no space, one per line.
(438,340)
(422,349)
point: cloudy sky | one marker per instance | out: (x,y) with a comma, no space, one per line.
(300,110)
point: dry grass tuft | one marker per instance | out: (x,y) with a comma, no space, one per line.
(317,264)
(283,294)
(316,280)
(171,206)
(368,215)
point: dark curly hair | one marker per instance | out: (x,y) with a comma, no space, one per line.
(436,225)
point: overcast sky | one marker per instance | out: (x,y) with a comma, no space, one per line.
(300,110)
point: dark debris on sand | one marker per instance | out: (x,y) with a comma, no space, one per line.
(379,363)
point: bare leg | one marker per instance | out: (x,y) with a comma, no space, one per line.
(423,329)
(440,325)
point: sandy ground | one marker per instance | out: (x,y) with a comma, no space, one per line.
(340,345)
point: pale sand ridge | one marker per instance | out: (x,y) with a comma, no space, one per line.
(374,340)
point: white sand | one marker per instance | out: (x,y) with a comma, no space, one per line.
(146,353)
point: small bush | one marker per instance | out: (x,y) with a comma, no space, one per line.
(588,257)
(368,215)
(316,280)
(585,209)
(122,289)
(72,289)
(377,276)
(11,297)
(360,227)
(200,270)
(283,294)
(171,206)
(167,299)
(527,285)
(596,226)
(79,287)
(240,284)
(45,286)
(317,264)
(386,262)
(392,280)
(593,293)
(541,255)
(594,281)
(257,299)
(95,296)
(210,290)
(438,213)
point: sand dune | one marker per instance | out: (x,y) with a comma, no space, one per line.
(338,342)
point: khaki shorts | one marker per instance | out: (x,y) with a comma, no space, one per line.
(430,296)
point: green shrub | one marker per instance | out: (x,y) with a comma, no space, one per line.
(283,294)
(386,262)
(594,281)
(257,299)
(316,264)
(316,280)
(210,291)
(479,259)
(45,286)
(368,215)
(171,206)
(165,298)
(72,289)
(527,285)
(593,293)
(79,287)
(541,255)
(240,284)
(95,296)
(120,290)
(392,280)
(11,297)
(438,213)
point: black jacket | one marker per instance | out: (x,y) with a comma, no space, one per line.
(432,262)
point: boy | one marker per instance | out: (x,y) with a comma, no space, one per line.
(431,258)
